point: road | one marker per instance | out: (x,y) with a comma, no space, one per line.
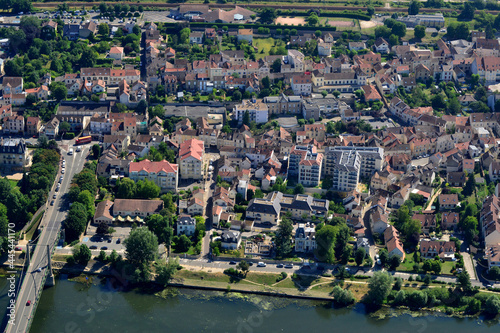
(50,227)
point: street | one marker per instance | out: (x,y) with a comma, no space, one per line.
(50,227)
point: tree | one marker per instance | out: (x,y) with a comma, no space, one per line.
(102,228)
(142,107)
(312,19)
(419,32)
(246,118)
(276,66)
(492,305)
(416,299)
(182,243)
(495,272)
(283,241)
(76,221)
(398,283)
(147,189)
(96,151)
(161,226)
(325,240)
(474,306)
(411,230)
(342,296)
(394,262)
(126,189)
(166,271)
(360,255)
(469,226)
(88,58)
(64,127)
(244,266)
(268,15)
(414,7)
(141,247)
(103,29)
(324,93)
(370,10)
(86,199)
(299,189)
(399,29)
(470,185)
(59,92)
(379,287)
(384,257)
(82,254)
(463,280)
(468,12)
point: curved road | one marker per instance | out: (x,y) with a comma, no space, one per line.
(31,287)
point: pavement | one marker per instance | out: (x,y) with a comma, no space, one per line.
(50,226)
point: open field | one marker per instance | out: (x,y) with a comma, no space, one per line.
(290,20)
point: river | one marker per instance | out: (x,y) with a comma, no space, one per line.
(72,307)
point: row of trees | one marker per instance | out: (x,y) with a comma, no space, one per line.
(126,188)
(82,194)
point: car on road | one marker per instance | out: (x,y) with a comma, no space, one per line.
(109,240)
(250,263)
(279,266)
(28,303)
(261,264)
(57,189)
(232,263)
(78,149)
(52,203)
(104,247)
(54,196)
(118,241)
(289,266)
(70,152)
(93,247)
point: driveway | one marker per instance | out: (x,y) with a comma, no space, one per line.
(469,266)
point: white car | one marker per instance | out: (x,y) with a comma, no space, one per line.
(261,264)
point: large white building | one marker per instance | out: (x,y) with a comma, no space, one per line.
(305,238)
(257,111)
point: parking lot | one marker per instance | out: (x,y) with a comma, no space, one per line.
(107,243)
(157,16)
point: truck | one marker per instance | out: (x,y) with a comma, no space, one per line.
(83,140)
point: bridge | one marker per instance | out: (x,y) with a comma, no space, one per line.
(39,271)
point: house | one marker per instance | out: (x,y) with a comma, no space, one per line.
(164,174)
(186,225)
(398,199)
(195,206)
(13,125)
(302,84)
(371,93)
(89,27)
(116,52)
(393,243)
(230,240)
(445,250)
(357,46)
(71,31)
(427,221)
(379,221)
(190,160)
(40,93)
(492,254)
(449,220)
(52,128)
(448,201)
(135,208)
(103,212)
(12,85)
(456,179)
(381,46)
(14,153)
(196,37)
(48,30)
(305,238)
(265,210)
(33,126)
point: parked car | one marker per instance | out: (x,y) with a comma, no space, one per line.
(232,263)
(54,196)
(93,247)
(118,241)
(261,264)
(289,266)
(104,247)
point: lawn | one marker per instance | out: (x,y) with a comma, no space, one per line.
(267,279)
(13,182)
(407,265)
(263,45)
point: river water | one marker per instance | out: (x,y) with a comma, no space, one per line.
(75,307)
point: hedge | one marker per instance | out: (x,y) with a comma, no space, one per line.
(346,14)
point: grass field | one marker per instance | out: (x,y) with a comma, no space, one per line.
(267,279)
(263,44)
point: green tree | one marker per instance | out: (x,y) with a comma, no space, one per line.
(379,287)
(360,255)
(59,92)
(470,186)
(312,19)
(416,299)
(96,151)
(82,254)
(492,305)
(103,29)
(244,266)
(147,189)
(299,189)
(342,296)
(88,57)
(246,118)
(394,262)
(276,66)
(126,189)
(268,15)
(325,240)
(182,243)
(414,7)
(86,199)
(419,32)
(463,280)
(165,272)
(161,226)
(468,12)
(399,29)
(283,241)
(141,247)
(64,127)
(75,222)
(473,306)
